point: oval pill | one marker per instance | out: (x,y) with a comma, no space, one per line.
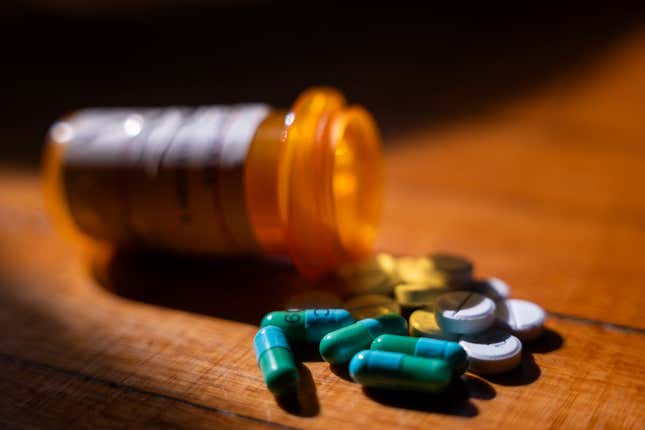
(393,370)
(371,306)
(522,318)
(493,351)
(372,276)
(456,269)
(381,262)
(418,295)
(464,312)
(414,270)
(275,360)
(308,326)
(423,323)
(451,352)
(339,346)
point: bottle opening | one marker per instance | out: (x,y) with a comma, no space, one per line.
(331,182)
(356,181)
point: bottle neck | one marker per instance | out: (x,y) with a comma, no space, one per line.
(313,182)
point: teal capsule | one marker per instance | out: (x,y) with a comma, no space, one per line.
(397,371)
(451,352)
(339,346)
(308,326)
(275,360)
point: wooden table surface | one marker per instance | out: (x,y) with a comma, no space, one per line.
(545,191)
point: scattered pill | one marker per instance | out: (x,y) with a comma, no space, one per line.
(308,326)
(492,351)
(393,370)
(522,318)
(458,270)
(275,360)
(313,299)
(418,295)
(423,323)
(451,352)
(373,276)
(381,262)
(464,312)
(414,270)
(494,288)
(371,306)
(339,346)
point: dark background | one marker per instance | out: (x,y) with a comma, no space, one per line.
(411,67)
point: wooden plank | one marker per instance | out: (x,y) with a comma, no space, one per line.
(37,396)
(73,342)
(595,377)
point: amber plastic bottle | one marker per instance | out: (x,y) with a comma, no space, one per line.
(239,179)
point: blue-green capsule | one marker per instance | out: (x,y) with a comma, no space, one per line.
(275,360)
(397,371)
(308,326)
(451,352)
(339,346)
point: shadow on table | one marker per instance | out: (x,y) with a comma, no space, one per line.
(454,401)
(304,402)
(238,289)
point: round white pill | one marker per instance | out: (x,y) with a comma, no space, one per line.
(522,318)
(492,351)
(464,312)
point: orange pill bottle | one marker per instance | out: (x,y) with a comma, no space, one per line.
(240,179)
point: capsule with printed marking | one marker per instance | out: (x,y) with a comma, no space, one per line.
(308,326)
(451,352)
(339,346)
(275,360)
(397,371)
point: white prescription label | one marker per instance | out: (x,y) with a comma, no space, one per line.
(169,178)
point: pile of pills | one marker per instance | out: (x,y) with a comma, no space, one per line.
(407,323)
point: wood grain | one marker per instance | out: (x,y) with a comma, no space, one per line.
(545,193)
(72,349)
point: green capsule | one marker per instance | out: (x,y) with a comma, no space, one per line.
(339,346)
(451,352)
(275,360)
(308,326)
(397,371)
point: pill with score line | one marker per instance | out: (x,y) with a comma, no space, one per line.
(308,326)
(493,351)
(275,360)
(339,346)
(522,318)
(394,370)
(464,312)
